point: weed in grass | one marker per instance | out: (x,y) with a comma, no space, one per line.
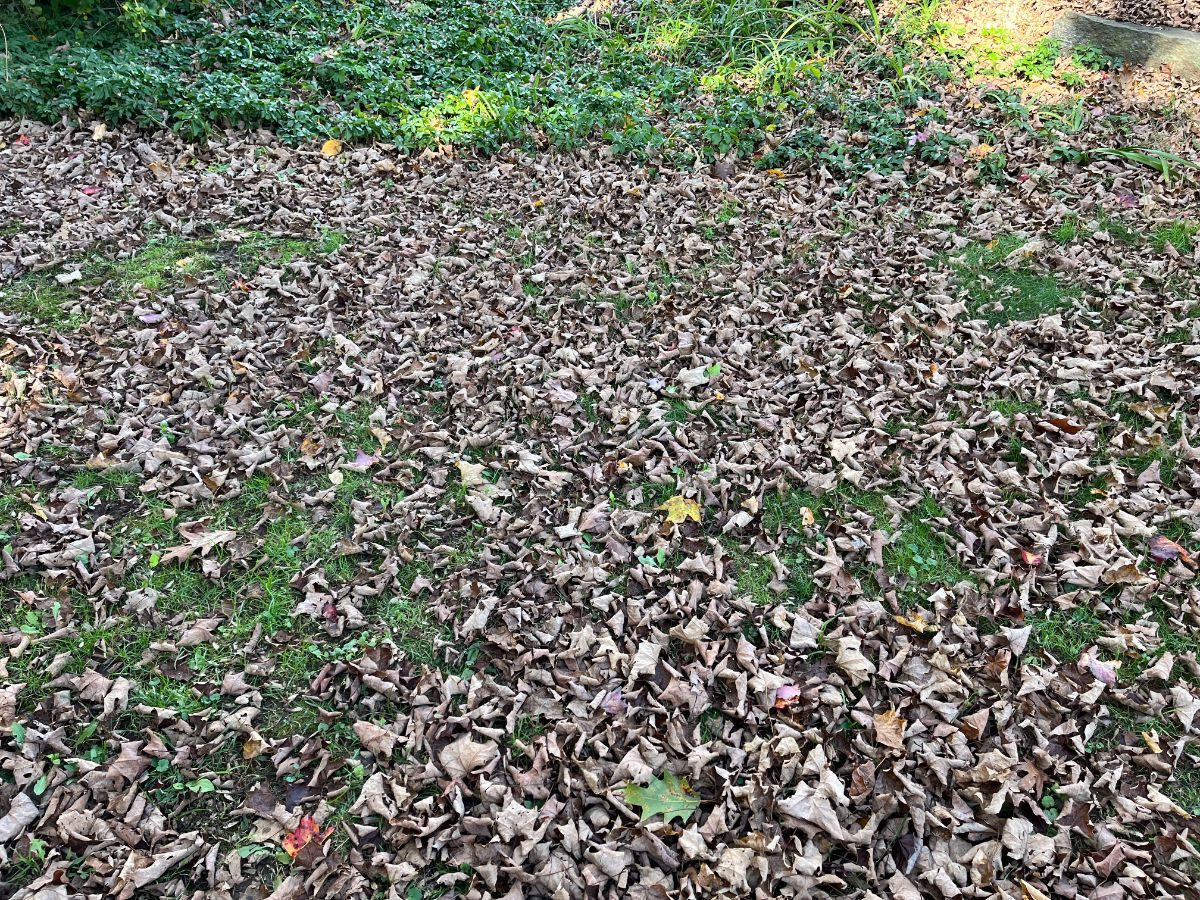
(722,73)
(920,556)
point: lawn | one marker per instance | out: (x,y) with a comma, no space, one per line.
(578,510)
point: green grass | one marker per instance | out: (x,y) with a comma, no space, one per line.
(161,263)
(1064,635)
(1022,292)
(38,299)
(1067,230)
(919,556)
(1009,406)
(1180,235)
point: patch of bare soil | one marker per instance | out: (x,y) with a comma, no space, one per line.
(1029,20)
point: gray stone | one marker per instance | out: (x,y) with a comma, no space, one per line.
(1141,45)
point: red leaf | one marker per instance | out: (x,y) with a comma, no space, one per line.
(1033,560)
(1163,549)
(1065,425)
(306,833)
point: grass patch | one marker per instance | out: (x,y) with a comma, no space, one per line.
(1067,230)
(1009,406)
(919,557)
(1180,235)
(38,299)
(1000,292)
(1064,634)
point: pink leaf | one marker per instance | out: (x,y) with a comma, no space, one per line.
(1105,672)
(614,703)
(786,695)
(363,461)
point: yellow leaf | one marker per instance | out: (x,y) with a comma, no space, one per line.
(778,173)
(916,622)
(1029,892)
(470,473)
(382,436)
(1151,739)
(979,151)
(889,729)
(331,148)
(254,746)
(680,509)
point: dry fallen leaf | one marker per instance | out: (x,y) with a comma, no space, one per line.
(889,729)
(916,622)
(307,832)
(786,695)
(680,509)
(1163,549)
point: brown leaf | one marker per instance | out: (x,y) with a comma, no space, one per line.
(889,729)
(380,741)
(464,756)
(1065,425)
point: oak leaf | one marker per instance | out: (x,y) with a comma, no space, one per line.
(670,795)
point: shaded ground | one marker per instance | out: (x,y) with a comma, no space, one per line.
(339,488)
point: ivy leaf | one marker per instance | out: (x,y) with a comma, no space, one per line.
(670,795)
(680,509)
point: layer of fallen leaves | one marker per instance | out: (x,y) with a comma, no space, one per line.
(529,391)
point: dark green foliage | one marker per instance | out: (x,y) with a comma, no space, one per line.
(714,77)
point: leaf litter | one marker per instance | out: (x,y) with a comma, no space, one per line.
(595,546)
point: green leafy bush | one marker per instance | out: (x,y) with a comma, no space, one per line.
(709,76)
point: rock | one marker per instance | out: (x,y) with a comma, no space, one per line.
(1142,45)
